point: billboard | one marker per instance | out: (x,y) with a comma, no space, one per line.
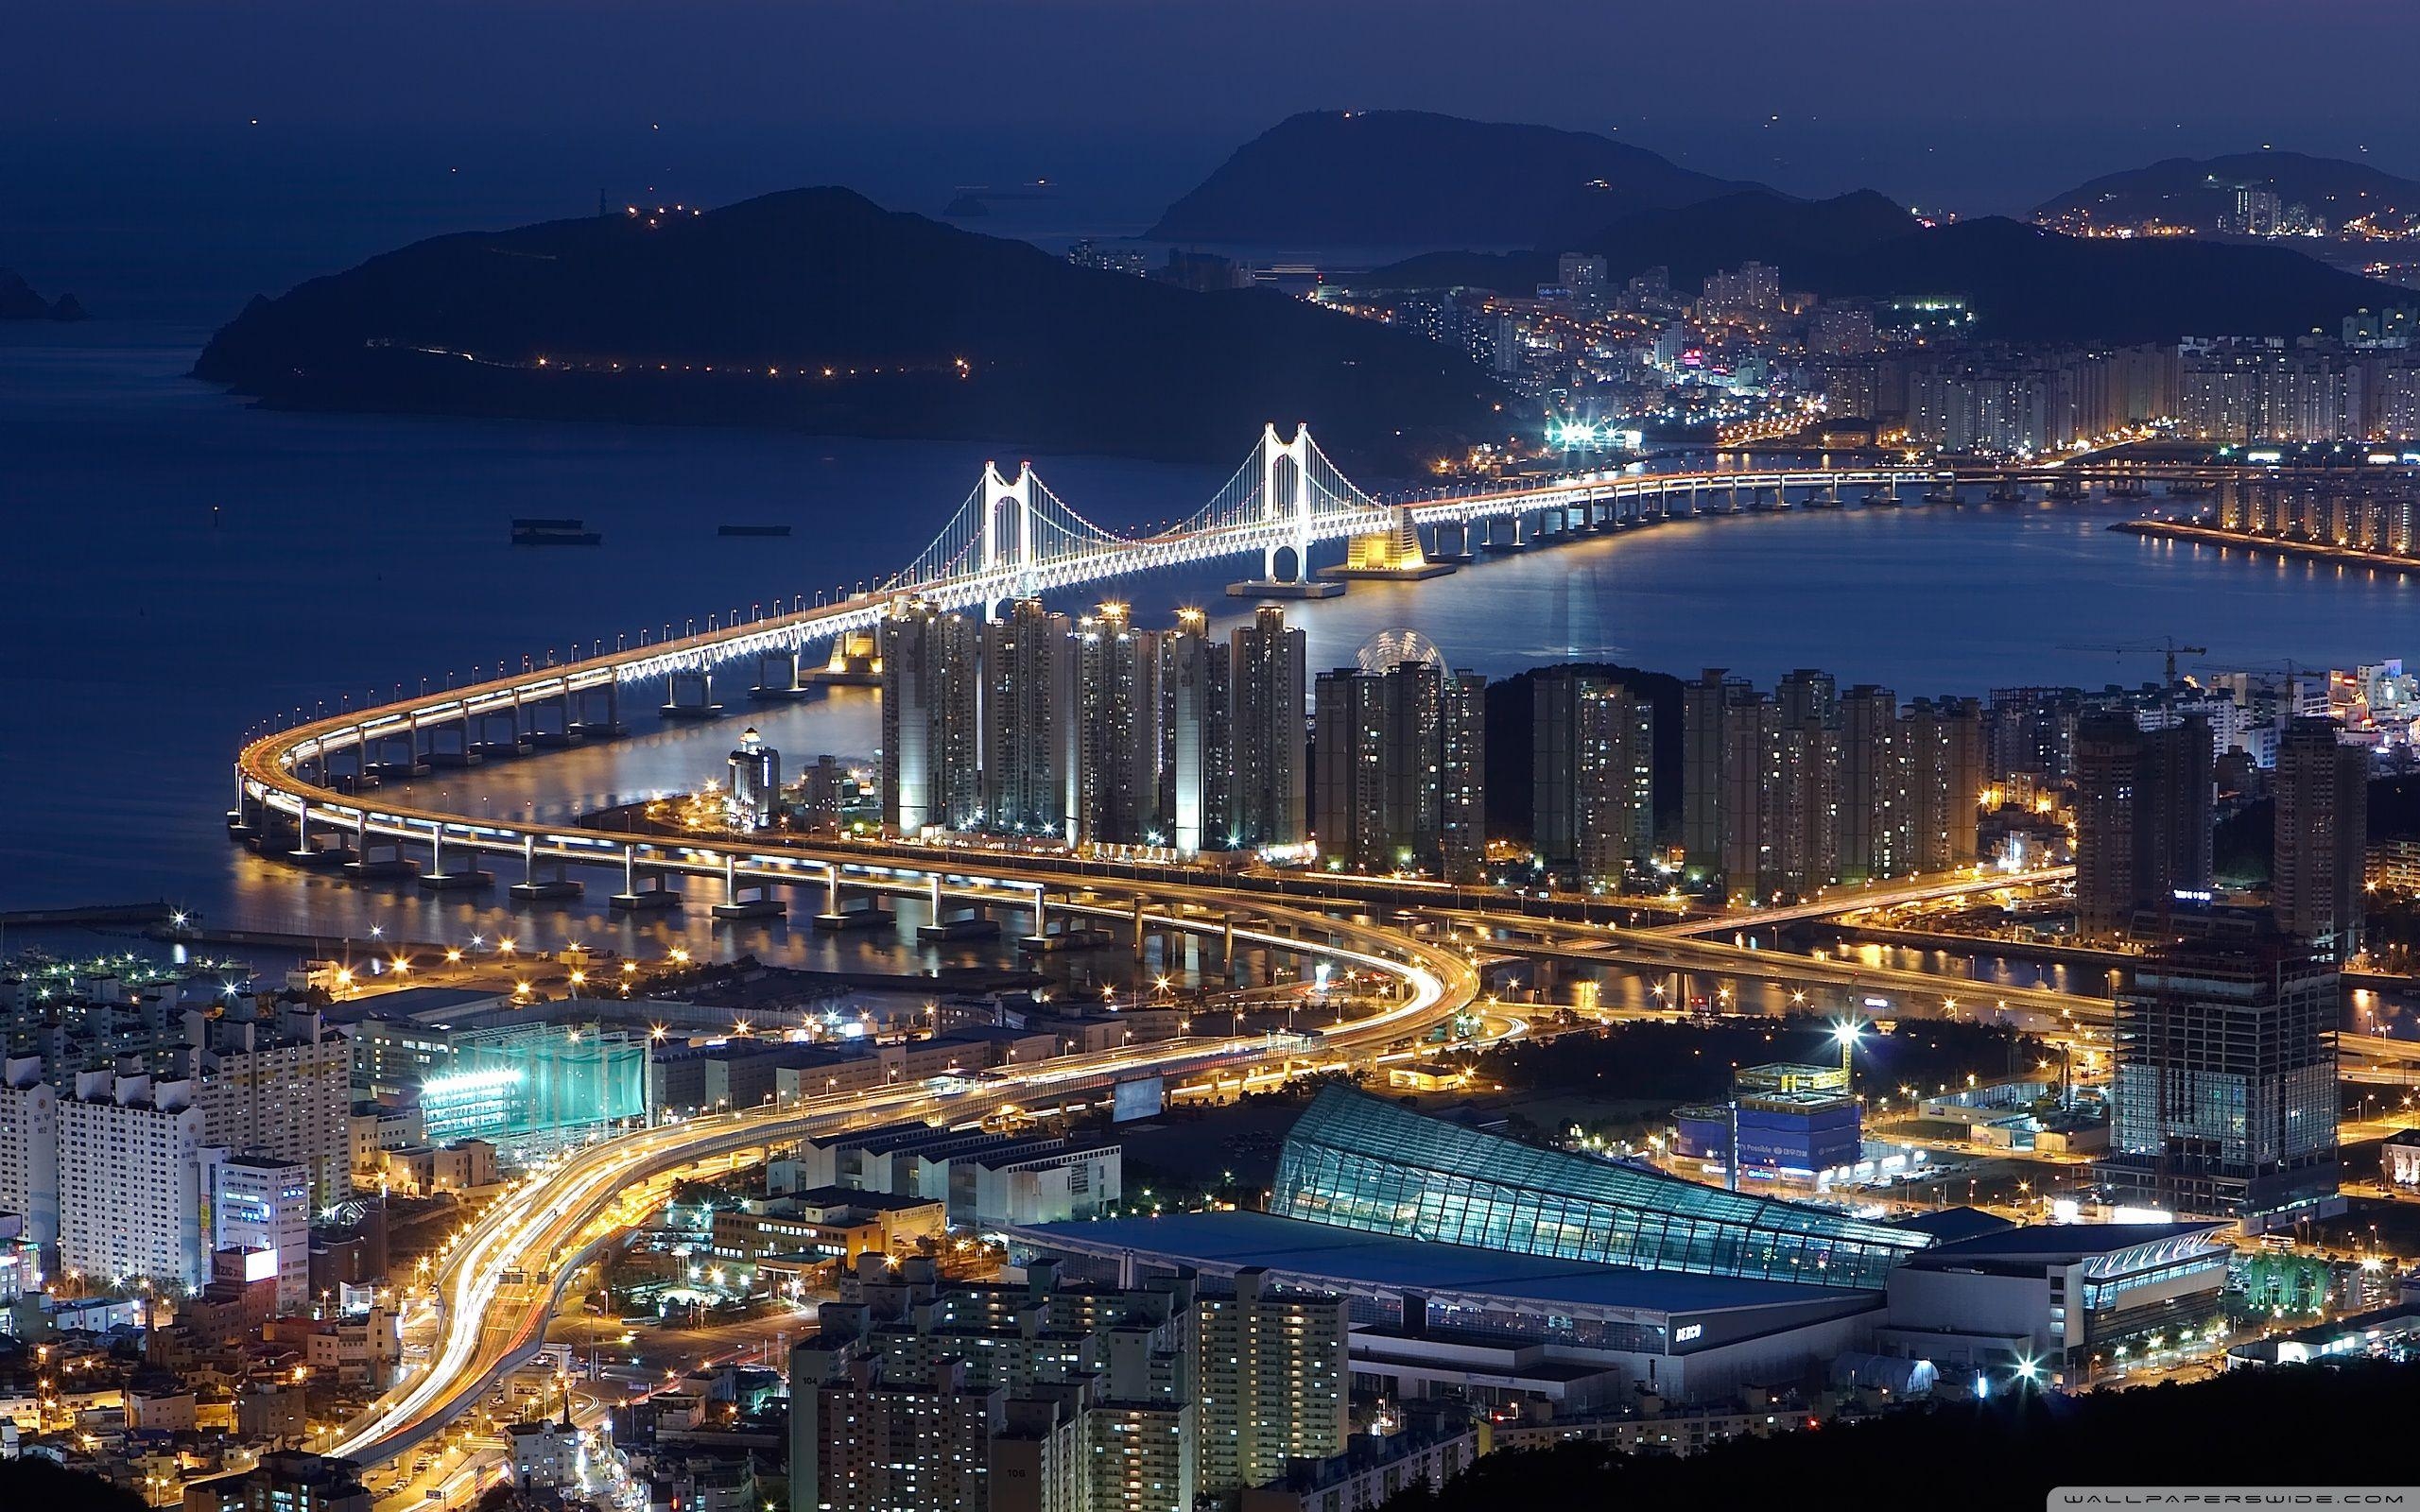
(1143,1098)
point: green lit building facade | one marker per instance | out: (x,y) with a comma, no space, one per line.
(525,1082)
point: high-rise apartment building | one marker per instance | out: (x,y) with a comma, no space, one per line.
(29,1150)
(1029,722)
(1271,692)
(281,1087)
(262,1205)
(2315,882)
(1592,778)
(1944,739)
(1801,784)
(1877,836)
(1117,744)
(1704,705)
(919,1393)
(931,777)
(1744,831)
(2225,1095)
(1198,744)
(129,1181)
(2144,807)
(1274,1382)
(1402,756)
(1808,787)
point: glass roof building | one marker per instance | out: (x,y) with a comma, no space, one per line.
(1361,1162)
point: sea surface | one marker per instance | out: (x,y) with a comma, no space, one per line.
(179,567)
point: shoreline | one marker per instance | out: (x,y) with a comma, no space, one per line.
(2269,545)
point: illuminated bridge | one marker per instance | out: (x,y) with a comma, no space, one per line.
(1012,538)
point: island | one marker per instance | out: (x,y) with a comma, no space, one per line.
(18,302)
(818,309)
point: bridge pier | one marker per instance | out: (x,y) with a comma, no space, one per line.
(747,898)
(689,694)
(855,662)
(463,751)
(1391,553)
(837,914)
(597,711)
(972,921)
(484,726)
(543,881)
(305,853)
(380,858)
(381,748)
(645,891)
(550,722)
(776,677)
(1302,585)
(469,878)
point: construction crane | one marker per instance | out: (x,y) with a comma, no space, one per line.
(2167,645)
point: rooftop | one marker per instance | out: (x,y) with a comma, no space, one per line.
(1300,1252)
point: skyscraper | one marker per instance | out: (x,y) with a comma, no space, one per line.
(1877,837)
(1274,1381)
(1802,787)
(2225,1097)
(930,774)
(1266,663)
(1401,761)
(1030,724)
(1197,736)
(1592,785)
(2144,803)
(2323,824)
(1703,706)
(1945,781)
(755,781)
(1745,732)
(1117,739)
(1352,734)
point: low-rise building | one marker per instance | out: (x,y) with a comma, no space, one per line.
(2055,1302)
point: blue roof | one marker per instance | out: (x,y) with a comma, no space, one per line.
(1951,1225)
(2042,1241)
(1349,1257)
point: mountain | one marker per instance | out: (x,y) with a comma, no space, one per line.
(2197,190)
(1692,241)
(816,308)
(1408,178)
(2030,285)
(2027,283)
(18,302)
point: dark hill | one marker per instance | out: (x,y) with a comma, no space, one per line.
(618,319)
(1692,241)
(1408,178)
(18,302)
(2027,283)
(2196,191)
(2030,285)
(2008,1452)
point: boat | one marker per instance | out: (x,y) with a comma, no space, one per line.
(554,533)
(752,530)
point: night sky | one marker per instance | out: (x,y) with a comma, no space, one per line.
(169,157)
(1989,106)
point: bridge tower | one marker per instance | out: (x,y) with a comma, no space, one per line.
(1291,508)
(1007,553)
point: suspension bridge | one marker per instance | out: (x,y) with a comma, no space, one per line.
(1012,538)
